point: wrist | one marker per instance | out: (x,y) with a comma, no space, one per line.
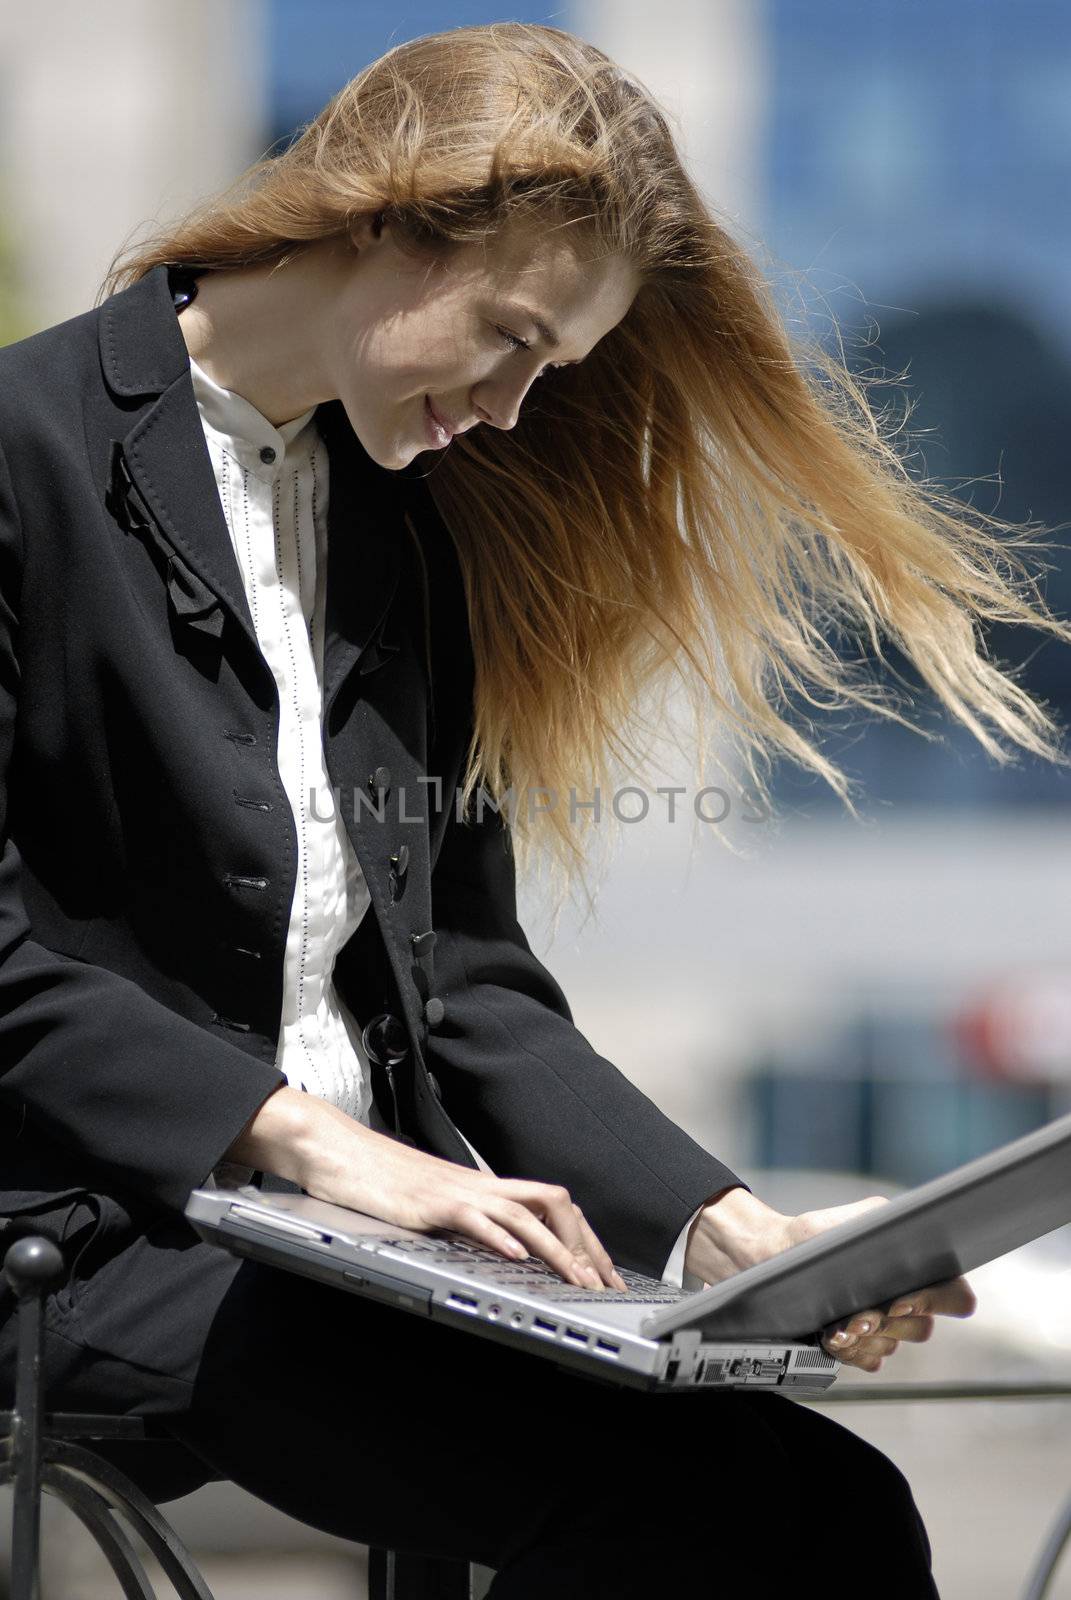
(734,1230)
(278,1138)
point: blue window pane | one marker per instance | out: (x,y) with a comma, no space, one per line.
(316,46)
(918,161)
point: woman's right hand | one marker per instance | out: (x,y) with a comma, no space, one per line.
(333,1157)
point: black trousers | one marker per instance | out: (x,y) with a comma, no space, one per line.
(385,1428)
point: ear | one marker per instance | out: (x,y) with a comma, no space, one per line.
(365,229)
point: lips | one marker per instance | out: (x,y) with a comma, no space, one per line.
(436,417)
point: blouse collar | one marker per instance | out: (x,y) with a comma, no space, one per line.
(239,421)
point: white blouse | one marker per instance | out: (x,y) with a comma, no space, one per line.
(273,487)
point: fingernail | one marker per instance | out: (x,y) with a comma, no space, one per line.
(863,1326)
(841,1338)
(902,1311)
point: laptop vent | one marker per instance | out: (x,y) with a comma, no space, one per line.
(814,1358)
(713,1371)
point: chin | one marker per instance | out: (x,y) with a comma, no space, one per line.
(394,464)
(391,452)
(370,445)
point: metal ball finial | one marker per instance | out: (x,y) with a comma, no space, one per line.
(34,1266)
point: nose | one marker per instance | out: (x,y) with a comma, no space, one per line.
(501,405)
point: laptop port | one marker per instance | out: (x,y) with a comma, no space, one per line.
(575,1335)
(463,1302)
(543,1326)
(758,1371)
(607,1348)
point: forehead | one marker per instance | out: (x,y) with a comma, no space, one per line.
(558,270)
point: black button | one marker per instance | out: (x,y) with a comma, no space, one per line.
(380,781)
(400,860)
(229,1022)
(267,455)
(241,881)
(423,943)
(434,1012)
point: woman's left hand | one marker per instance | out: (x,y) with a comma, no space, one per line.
(865,1339)
(736,1230)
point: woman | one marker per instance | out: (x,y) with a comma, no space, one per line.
(254,670)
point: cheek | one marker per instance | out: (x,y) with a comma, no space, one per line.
(443,355)
(391,373)
(385,363)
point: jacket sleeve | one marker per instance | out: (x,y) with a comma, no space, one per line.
(86,1056)
(526,1085)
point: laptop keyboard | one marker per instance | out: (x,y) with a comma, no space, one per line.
(538,1277)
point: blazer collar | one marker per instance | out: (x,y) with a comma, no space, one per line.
(163,488)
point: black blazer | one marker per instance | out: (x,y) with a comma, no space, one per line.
(149,849)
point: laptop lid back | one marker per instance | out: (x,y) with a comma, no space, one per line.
(935,1231)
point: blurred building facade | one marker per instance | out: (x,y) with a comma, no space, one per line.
(919,150)
(113,118)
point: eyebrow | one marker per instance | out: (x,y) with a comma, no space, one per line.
(545,331)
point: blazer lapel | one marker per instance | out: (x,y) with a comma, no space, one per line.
(161,487)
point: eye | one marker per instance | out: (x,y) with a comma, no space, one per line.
(512,340)
(516,343)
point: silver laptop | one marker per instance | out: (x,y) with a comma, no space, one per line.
(758,1329)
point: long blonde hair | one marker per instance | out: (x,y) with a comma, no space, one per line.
(706,495)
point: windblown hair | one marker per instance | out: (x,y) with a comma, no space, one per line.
(705,496)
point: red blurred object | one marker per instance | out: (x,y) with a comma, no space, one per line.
(1019,1028)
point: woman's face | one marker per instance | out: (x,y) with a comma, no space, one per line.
(460,337)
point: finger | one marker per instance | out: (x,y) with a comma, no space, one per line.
(954,1298)
(460,1216)
(862,1352)
(867,1364)
(599,1254)
(857,1326)
(845,1341)
(568,1221)
(552,1204)
(541,1239)
(510,1231)
(915,1330)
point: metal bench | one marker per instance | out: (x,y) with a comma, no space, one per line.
(46,1451)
